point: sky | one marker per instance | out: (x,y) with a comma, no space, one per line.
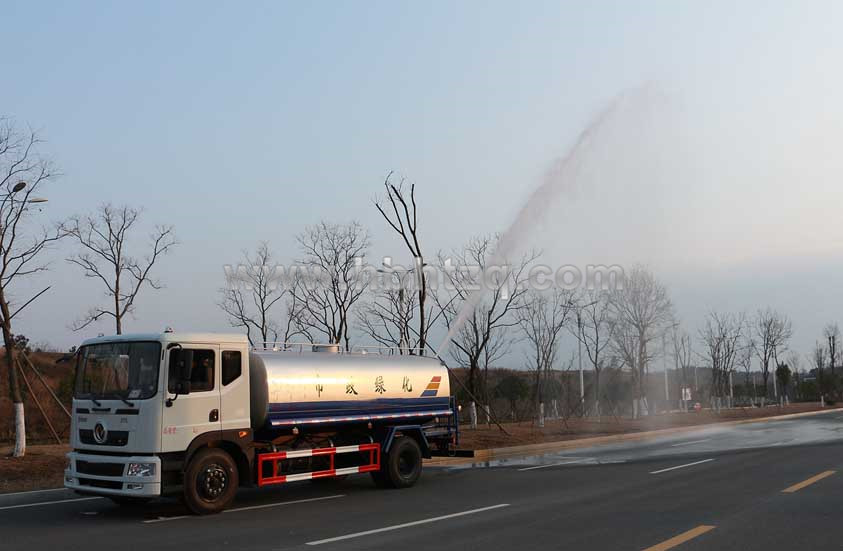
(245,123)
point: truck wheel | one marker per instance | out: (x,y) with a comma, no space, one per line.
(402,466)
(210,481)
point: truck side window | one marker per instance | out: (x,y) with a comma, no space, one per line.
(201,374)
(231,366)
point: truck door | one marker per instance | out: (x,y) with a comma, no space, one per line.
(189,415)
(234,399)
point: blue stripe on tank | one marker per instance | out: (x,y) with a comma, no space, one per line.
(345,408)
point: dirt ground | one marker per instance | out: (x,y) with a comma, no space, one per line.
(43,466)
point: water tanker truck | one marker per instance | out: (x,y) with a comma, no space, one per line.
(200,415)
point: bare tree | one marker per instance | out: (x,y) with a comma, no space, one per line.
(401,213)
(643,311)
(771,333)
(386,317)
(794,361)
(744,361)
(721,339)
(333,255)
(594,328)
(22,173)
(103,237)
(466,271)
(253,299)
(832,337)
(683,355)
(819,359)
(543,318)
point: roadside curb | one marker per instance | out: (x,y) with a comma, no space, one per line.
(547,447)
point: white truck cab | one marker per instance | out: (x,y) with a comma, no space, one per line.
(127,414)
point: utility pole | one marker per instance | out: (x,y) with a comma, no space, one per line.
(579,359)
(731,392)
(664,364)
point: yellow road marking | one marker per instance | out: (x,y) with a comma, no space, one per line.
(681,538)
(817,478)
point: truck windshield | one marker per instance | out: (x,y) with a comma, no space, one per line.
(120,370)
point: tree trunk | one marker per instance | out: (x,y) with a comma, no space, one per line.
(472,412)
(422,299)
(541,415)
(20,431)
(117,317)
(14,384)
(597,393)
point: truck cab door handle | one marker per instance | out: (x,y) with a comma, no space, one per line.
(214,416)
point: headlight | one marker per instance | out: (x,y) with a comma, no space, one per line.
(141,469)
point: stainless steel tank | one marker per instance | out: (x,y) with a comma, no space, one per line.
(292,388)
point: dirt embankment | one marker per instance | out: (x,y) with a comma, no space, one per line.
(59,377)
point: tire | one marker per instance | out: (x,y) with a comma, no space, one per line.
(402,466)
(125,501)
(210,482)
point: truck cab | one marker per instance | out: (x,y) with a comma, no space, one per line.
(142,402)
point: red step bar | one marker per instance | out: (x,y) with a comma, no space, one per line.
(374,463)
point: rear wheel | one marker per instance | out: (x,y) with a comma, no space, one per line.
(210,481)
(402,466)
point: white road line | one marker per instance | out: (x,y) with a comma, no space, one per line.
(31,492)
(249,508)
(689,443)
(681,466)
(555,464)
(407,524)
(165,519)
(252,507)
(47,503)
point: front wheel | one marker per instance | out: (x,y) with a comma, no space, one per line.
(402,466)
(210,482)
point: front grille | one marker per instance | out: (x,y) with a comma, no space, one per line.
(114,437)
(99,469)
(93,483)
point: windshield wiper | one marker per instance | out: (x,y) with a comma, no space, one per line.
(125,401)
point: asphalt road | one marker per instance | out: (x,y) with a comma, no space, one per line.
(774,485)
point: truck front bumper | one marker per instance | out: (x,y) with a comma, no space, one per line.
(108,475)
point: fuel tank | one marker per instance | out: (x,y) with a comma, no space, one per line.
(308,388)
